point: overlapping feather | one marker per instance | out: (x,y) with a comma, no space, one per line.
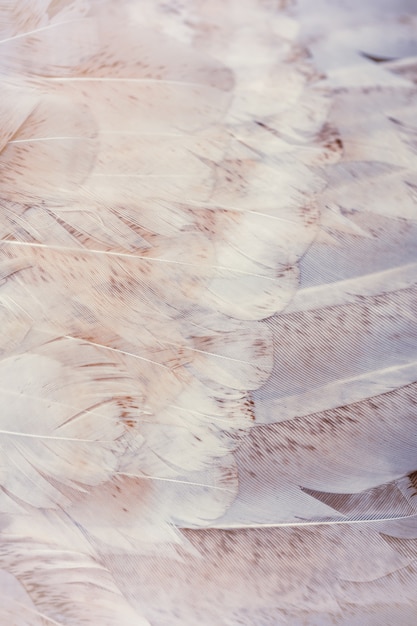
(202,228)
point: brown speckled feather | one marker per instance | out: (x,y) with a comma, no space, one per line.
(208,346)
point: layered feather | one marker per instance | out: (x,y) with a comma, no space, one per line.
(208,292)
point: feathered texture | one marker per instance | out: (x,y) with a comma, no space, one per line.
(208,300)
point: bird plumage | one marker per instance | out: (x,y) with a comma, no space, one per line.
(207,300)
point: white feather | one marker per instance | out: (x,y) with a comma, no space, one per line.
(207,302)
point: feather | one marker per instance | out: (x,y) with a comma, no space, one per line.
(44,555)
(272,573)
(17,607)
(207,301)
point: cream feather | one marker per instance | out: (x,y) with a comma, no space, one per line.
(208,300)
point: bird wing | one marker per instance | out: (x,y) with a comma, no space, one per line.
(208,302)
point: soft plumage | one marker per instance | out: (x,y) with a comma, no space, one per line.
(208,300)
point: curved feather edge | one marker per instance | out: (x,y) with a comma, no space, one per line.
(286,472)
